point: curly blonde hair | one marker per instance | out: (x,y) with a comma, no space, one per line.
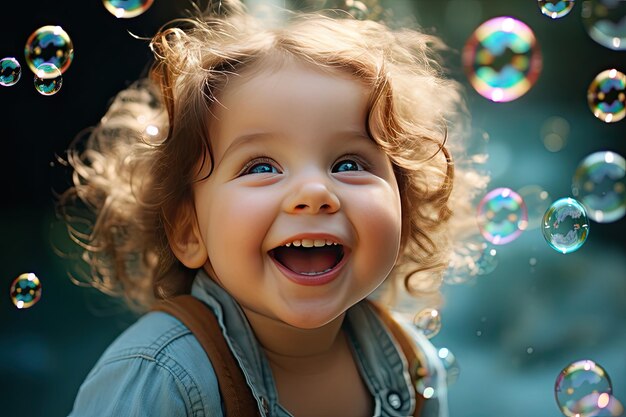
(137,167)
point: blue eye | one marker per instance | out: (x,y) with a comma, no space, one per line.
(260,168)
(347,165)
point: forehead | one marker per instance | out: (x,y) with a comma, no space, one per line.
(292,98)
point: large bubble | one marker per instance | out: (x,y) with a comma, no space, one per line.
(502,216)
(26,290)
(607,96)
(576,383)
(127,8)
(599,183)
(605,21)
(502,59)
(556,8)
(565,225)
(49,45)
(10,72)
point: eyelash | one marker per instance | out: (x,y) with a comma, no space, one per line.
(256,161)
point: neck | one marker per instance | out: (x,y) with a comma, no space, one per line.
(294,349)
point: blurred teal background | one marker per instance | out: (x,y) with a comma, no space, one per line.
(512,331)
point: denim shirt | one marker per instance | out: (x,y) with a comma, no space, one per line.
(157,368)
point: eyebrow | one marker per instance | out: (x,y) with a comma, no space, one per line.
(251,137)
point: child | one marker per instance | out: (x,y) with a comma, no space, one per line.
(280,175)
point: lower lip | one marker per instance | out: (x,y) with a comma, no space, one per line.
(312,280)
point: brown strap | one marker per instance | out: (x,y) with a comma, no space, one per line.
(198,317)
(408,348)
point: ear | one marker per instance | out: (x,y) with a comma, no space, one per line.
(185,238)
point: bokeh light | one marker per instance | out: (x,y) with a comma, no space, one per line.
(450,364)
(10,71)
(502,216)
(607,96)
(428,321)
(554,133)
(576,382)
(599,183)
(49,45)
(565,225)
(48,79)
(605,22)
(537,201)
(25,290)
(556,8)
(502,59)
(126,9)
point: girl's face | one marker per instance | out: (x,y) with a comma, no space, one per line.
(301,216)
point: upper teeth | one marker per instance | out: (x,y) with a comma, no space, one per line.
(309,243)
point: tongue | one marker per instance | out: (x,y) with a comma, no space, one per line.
(308,260)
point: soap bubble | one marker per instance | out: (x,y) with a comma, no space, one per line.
(502,216)
(49,45)
(606,96)
(127,8)
(48,79)
(576,382)
(502,59)
(537,201)
(10,72)
(565,225)
(605,22)
(556,8)
(428,321)
(25,290)
(599,183)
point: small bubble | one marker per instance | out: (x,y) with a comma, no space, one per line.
(530,350)
(556,9)
(125,9)
(599,183)
(565,225)
(576,383)
(479,333)
(428,321)
(10,71)
(606,96)
(48,79)
(25,290)
(502,216)
(502,59)
(532,261)
(604,22)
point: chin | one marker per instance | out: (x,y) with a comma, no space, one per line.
(308,319)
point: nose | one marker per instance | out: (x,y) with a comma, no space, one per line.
(312,196)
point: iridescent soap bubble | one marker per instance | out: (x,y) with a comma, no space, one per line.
(556,8)
(599,183)
(576,382)
(537,201)
(48,79)
(502,59)
(49,45)
(502,216)
(605,21)
(10,71)
(428,321)
(606,96)
(127,8)
(26,290)
(565,225)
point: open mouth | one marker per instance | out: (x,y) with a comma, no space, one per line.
(308,261)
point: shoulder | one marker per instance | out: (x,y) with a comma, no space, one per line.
(156,364)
